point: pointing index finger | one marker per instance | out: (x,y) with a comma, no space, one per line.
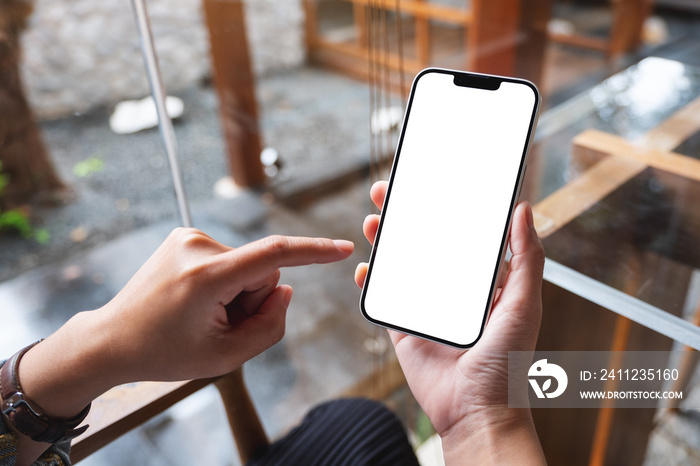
(262,257)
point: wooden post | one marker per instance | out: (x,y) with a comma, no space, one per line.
(628,21)
(686,367)
(310,25)
(235,84)
(492,37)
(422,25)
(359,13)
(530,51)
(621,335)
(242,417)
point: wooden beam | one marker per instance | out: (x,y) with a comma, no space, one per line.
(581,40)
(421,9)
(355,69)
(675,129)
(667,161)
(582,193)
(235,84)
(666,136)
(126,407)
(353,52)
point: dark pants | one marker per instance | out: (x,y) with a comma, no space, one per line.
(353,431)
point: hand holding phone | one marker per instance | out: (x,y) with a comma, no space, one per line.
(460,159)
(465,393)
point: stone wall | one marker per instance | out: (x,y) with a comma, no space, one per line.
(79,54)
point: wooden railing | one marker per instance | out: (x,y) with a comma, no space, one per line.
(628,17)
(496,36)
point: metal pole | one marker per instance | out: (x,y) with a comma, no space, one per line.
(165,125)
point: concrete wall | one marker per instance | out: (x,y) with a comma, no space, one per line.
(79,54)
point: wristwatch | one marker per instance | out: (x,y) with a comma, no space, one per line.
(25,415)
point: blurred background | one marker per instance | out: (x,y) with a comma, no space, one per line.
(284,112)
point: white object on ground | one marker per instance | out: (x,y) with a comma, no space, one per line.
(269,156)
(385,118)
(132,116)
(226,188)
(654,31)
(561,26)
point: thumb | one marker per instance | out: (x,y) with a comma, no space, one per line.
(521,296)
(527,263)
(264,328)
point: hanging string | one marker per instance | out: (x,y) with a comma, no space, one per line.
(408,400)
(375,87)
(387,129)
(399,41)
(372,79)
(381,63)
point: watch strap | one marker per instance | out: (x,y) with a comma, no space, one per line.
(26,416)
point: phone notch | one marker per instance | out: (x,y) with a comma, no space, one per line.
(488,83)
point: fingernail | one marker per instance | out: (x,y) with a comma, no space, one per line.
(288,296)
(528,216)
(344,245)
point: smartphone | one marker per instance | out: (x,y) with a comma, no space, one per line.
(455,180)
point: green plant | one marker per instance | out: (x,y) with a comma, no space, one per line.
(88,166)
(17,219)
(4,180)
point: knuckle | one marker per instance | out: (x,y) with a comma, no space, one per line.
(185,264)
(191,272)
(276,244)
(181,232)
(319,243)
(193,238)
(189,239)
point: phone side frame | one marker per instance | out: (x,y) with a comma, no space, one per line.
(504,236)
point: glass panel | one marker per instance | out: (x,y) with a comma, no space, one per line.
(641,239)
(642,232)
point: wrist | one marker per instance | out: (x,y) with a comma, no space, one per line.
(65,372)
(501,436)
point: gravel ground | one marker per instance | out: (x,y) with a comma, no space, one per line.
(316,120)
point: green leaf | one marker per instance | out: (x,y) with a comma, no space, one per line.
(16,220)
(42,235)
(4,180)
(88,166)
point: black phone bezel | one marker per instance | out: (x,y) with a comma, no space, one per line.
(462,79)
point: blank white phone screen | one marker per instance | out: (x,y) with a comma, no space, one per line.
(448,208)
